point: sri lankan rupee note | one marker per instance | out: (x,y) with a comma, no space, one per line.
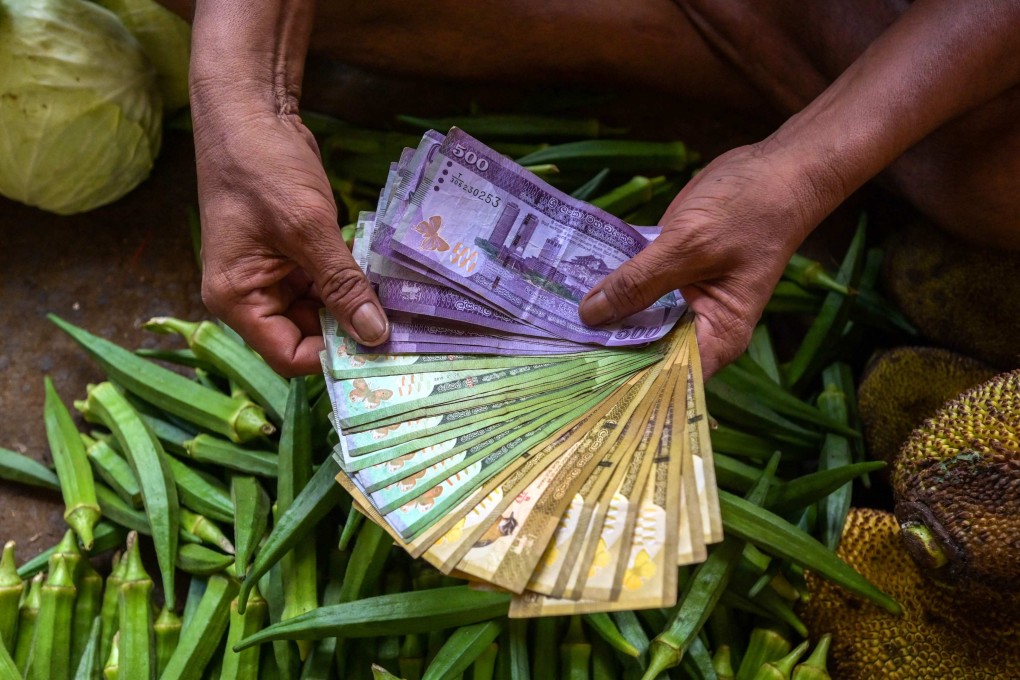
(522,556)
(486,226)
(701,450)
(511,500)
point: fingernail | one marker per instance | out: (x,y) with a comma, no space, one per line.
(596,309)
(369,323)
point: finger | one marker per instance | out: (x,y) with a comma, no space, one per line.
(278,340)
(342,286)
(723,331)
(636,284)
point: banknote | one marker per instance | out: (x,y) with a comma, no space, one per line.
(518,243)
(494,434)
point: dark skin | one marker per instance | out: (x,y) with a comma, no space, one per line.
(921,95)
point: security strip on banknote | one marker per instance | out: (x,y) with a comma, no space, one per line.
(494,434)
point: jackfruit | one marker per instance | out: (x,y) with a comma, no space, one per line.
(903,386)
(956,484)
(932,639)
(959,296)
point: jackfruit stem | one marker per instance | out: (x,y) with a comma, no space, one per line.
(923,546)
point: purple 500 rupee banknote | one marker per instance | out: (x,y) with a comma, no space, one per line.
(488,227)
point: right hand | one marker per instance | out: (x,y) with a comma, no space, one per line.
(725,241)
(272,251)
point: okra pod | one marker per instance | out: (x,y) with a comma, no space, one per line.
(460,651)
(89,586)
(484,667)
(318,497)
(763,354)
(326,653)
(134,612)
(15,467)
(803,491)
(243,665)
(400,614)
(111,669)
(592,155)
(723,663)
(251,518)
(520,666)
(602,624)
(201,637)
(206,530)
(113,470)
(352,524)
(167,632)
(149,462)
(51,642)
(626,197)
(27,616)
(780,669)
(809,273)
(603,662)
(179,357)
(789,298)
(543,664)
(812,354)
(284,651)
(201,492)
(206,448)
(89,667)
(8,669)
(116,510)
(765,645)
(76,484)
(813,667)
(240,421)
(108,612)
(380,673)
(778,537)
(411,661)
(518,126)
(300,591)
(736,406)
(171,435)
(198,560)
(12,587)
(575,652)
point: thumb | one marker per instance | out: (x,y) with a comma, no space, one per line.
(636,284)
(343,288)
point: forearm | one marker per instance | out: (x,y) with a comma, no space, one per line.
(249,54)
(939,60)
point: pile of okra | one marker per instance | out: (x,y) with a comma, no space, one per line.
(212,487)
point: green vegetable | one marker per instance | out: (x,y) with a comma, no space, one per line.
(237,419)
(461,649)
(108,610)
(11,589)
(89,585)
(16,467)
(202,633)
(76,483)
(166,40)
(400,614)
(51,642)
(134,612)
(250,520)
(167,632)
(27,617)
(87,124)
(575,652)
(113,469)
(243,665)
(149,462)
(201,561)
(89,667)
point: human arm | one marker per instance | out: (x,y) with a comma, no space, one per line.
(271,247)
(727,236)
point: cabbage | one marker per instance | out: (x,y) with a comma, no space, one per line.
(80,112)
(166,39)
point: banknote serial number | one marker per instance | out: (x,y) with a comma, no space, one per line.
(480,194)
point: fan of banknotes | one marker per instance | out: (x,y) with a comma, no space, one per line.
(495,434)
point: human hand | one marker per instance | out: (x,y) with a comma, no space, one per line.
(725,241)
(272,251)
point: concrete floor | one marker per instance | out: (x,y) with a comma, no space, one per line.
(113,268)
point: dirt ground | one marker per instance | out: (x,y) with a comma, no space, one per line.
(113,268)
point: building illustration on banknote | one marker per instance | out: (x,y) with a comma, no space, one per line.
(540,263)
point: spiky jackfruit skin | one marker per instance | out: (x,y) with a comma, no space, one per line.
(959,476)
(933,639)
(903,386)
(958,296)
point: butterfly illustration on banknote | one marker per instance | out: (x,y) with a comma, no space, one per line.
(430,238)
(362,392)
(504,526)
